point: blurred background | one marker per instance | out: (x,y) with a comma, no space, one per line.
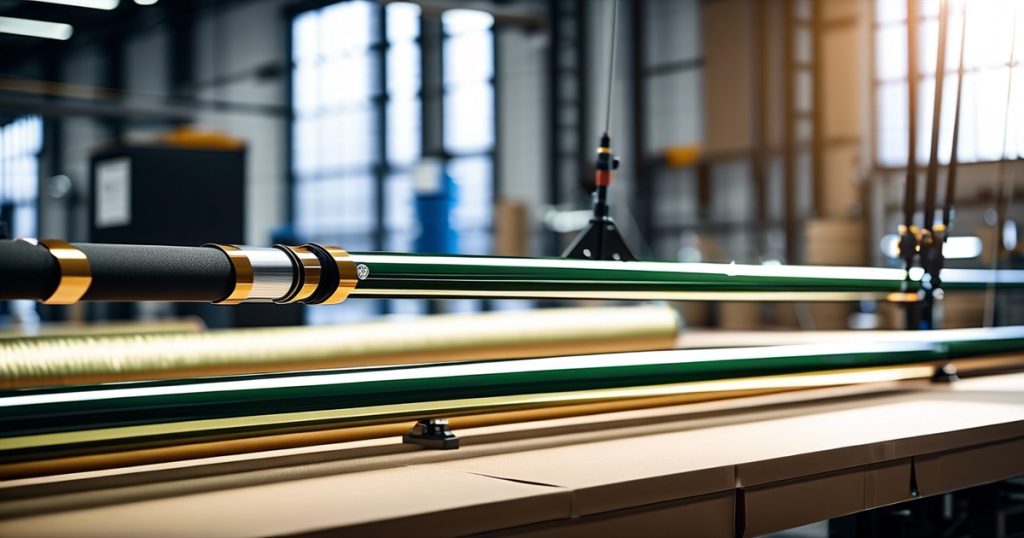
(749,132)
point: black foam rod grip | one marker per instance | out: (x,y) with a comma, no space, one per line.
(27,271)
(157,273)
(120,272)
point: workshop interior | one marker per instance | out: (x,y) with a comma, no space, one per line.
(499,268)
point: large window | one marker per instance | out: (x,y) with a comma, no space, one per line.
(335,161)
(469,131)
(358,131)
(990,28)
(20,143)
(469,122)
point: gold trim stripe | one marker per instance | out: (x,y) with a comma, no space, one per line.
(75,272)
(243,273)
(346,274)
(311,272)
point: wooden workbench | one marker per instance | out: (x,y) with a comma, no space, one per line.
(735,467)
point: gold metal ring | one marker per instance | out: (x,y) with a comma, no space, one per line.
(243,273)
(75,272)
(903,297)
(310,273)
(346,275)
(604,150)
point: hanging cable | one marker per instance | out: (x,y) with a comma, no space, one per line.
(932,174)
(908,231)
(947,211)
(940,233)
(1003,188)
(929,244)
(611,70)
(601,239)
(910,188)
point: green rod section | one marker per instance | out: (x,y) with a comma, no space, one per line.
(37,411)
(980,279)
(68,409)
(412,275)
(420,275)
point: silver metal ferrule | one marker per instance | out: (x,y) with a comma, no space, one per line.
(273,274)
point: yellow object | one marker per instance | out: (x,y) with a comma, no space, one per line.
(901,297)
(186,137)
(680,156)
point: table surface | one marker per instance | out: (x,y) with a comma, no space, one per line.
(742,466)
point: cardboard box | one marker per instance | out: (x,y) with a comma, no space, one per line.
(740,316)
(835,242)
(511,228)
(962,309)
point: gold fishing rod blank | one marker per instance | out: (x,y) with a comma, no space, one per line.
(80,359)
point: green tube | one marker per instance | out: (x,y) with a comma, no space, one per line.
(411,275)
(980,279)
(42,423)
(959,343)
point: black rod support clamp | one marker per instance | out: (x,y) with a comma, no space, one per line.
(601,239)
(433,433)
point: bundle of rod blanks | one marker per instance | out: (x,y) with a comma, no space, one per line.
(60,429)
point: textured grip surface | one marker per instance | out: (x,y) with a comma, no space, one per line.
(157,273)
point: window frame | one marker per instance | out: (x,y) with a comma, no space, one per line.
(926,87)
(382,166)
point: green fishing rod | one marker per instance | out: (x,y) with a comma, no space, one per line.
(56,272)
